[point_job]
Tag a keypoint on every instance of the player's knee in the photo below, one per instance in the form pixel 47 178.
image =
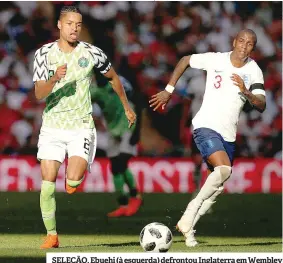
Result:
pixel 119 164
pixel 48 175
pixel 225 172
pixel 74 175
pixel 219 191
pixel 116 167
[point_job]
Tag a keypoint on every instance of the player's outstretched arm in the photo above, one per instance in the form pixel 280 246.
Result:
pixel 44 88
pixel 258 101
pixel 118 87
pixel 162 98
pixel 182 65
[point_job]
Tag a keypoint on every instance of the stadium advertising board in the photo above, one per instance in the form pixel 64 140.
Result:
pixel 153 175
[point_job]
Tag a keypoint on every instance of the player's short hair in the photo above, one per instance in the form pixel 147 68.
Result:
pixel 251 32
pixel 69 8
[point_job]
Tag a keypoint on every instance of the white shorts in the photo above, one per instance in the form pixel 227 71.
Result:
pixel 114 146
pixel 54 144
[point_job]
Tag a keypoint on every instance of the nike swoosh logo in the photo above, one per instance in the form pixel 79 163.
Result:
pixel 218 71
pixel 53 63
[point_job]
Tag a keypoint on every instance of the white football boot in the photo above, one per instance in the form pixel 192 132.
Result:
pixel 185 224
pixel 190 239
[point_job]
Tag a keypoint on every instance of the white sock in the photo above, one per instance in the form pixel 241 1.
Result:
pixel 213 181
pixel 207 204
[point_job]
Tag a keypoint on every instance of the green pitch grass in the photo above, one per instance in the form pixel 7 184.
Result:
pixel 239 223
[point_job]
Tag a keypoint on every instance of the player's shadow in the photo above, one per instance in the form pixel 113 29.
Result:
pixel 235 245
pixel 68 90
pixel 106 245
pixel 125 244
pixel 183 241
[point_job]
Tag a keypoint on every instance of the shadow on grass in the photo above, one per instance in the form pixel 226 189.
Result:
pixel 179 241
pixel 248 244
pixel 106 245
pixel 238 215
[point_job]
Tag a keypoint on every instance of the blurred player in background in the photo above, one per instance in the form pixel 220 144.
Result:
pixel 232 79
pixel 121 142
pixel 62 75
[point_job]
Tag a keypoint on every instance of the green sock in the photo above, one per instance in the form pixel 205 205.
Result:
pixel 73 183
pixel 129 178
pixel 119 183
pixel 48 206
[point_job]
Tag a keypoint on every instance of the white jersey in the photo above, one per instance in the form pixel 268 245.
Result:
pixel 222 101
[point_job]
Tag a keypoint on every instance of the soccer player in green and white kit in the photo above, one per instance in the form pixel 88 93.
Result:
pixel 121 144
pixel 62 75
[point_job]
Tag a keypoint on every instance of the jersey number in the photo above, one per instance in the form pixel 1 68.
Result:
pixel 217 83
pixel 86 145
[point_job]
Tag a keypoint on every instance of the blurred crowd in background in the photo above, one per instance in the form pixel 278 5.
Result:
pixel 144 41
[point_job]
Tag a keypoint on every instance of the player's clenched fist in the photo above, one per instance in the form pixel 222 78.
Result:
pixel 131 116
pixel 61 72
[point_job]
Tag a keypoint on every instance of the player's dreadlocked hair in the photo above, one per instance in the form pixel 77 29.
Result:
pixel 69 8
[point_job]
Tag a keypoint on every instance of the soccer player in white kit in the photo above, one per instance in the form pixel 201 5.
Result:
pixel 62 75
pixel 232 79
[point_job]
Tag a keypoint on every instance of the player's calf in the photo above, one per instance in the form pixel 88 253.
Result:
pixel 213 182
pixel 207 204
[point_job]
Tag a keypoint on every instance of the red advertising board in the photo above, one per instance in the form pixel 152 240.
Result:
pixel 153 175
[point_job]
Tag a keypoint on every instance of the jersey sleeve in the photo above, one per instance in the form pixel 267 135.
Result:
pixel 40 70
pixel 101 61
pixel 203 61
pixel 257 85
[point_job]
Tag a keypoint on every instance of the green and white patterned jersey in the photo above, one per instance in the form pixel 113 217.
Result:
pixel 69 106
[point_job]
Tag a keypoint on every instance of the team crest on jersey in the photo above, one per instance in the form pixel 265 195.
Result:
pixel 83 62
pixel 50 74
pixel 246 79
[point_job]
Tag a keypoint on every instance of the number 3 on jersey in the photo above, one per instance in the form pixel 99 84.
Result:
pixel 217 83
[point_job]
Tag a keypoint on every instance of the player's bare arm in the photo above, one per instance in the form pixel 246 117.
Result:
pixel 44 88
pixel 163 97
pixel 258 101
pixel 182 65
pixel 118 87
